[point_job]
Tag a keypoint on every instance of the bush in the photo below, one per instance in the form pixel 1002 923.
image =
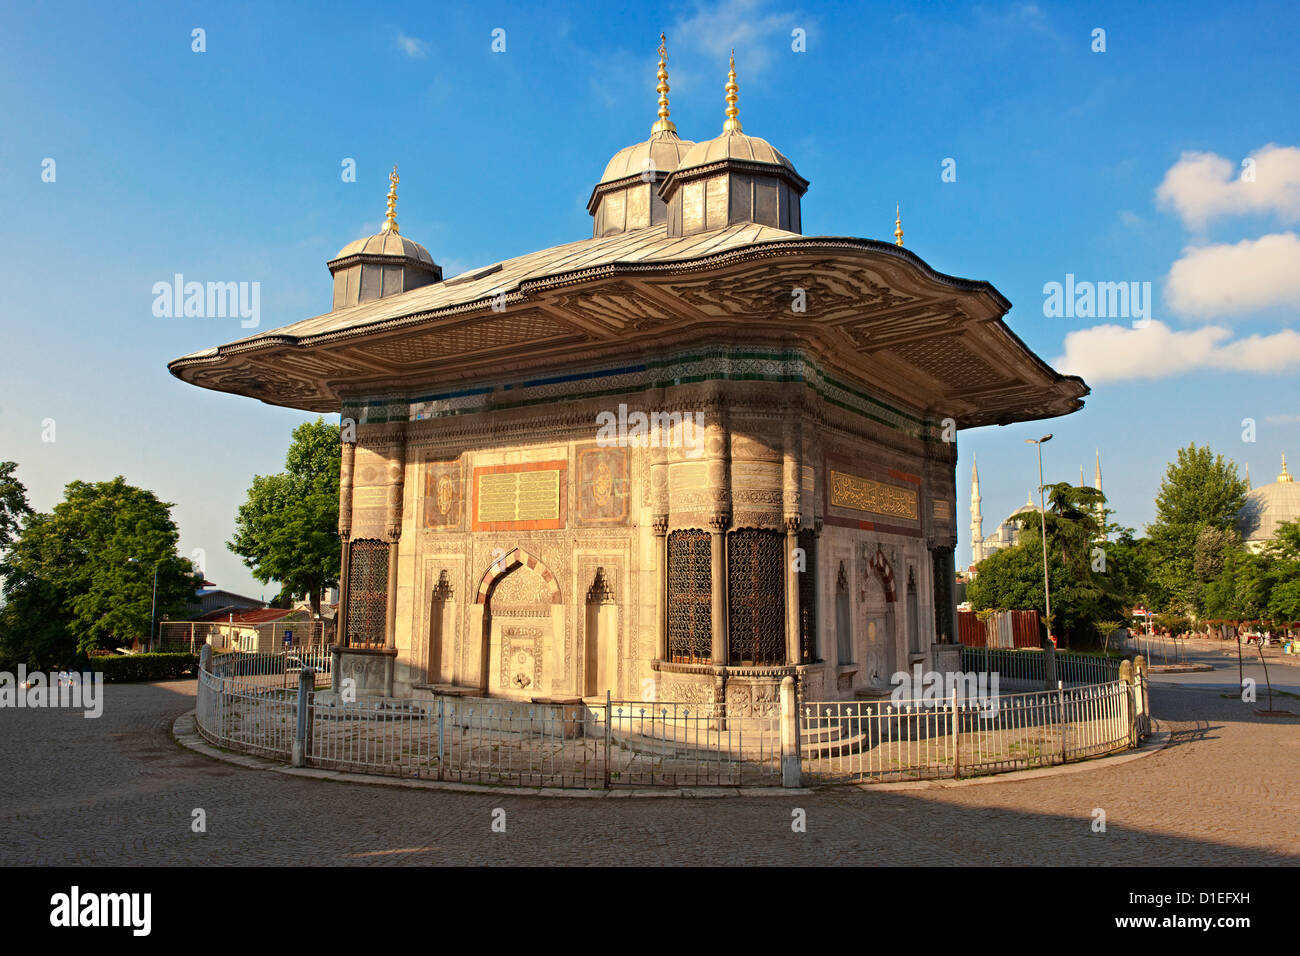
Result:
pixel 118 670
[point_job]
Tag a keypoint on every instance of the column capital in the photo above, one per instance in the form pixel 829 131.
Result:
pixel 660 525
pixel 720 522
pixel 792 523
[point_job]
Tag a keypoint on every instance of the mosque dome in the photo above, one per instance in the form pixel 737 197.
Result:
pixel 733 178
pixel 663 152
pixel 627 196
pixel 733 144
pixel 386 243
pixel 386 263
pixel 1267 507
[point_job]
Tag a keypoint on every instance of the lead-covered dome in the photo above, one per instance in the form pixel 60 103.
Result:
pixel 386 263
pixel 733 178
pixel 1267 507
pixel 627 196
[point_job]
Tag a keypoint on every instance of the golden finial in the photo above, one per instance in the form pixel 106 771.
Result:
pixel 732 125
pixel 898 227
pixel 663 124
pixel 390 220
pixel 1284 476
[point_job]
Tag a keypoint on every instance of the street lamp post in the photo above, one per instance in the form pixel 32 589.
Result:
pixel 1049 652
pixel 153 602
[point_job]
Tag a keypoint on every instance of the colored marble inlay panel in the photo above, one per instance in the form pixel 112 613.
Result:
pixel 520 497
pixel 602 486
pixel 873 497
pixel 442 495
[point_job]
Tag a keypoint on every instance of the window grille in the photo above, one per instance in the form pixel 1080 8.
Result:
pixel 756 591
pixel 690 598
pixel 367 592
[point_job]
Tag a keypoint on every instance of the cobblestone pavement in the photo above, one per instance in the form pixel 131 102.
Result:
pixel 119 790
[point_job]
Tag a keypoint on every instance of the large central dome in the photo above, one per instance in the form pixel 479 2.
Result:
pixel 1267 507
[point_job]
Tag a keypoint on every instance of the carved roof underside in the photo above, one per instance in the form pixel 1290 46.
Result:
pixel 874 311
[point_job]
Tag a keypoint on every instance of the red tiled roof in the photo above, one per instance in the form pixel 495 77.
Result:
pixel 263 615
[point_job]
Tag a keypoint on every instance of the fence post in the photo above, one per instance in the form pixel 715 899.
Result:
pixel 791 770
pixel 441 710
pixel 301 738
pixel 1060 703
pixel 956 735
pixel 608 733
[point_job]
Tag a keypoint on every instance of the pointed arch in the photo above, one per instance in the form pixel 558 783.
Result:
pixel 511 561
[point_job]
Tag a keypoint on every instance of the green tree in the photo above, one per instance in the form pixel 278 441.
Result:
pixel 13 503
pixel 1199 490
pixel 1086 584
pixel 70 584
pixel 287 529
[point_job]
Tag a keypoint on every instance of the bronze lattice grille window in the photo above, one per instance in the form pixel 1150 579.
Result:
pixel 756 592
pixel 367 592
pixel 808 598
pixel 690 598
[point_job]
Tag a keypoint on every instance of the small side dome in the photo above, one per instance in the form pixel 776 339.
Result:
pixel 733 178
pixel 386 263
pixel 386 244
pixel 662 152
pixel 627 196
pixel 735 145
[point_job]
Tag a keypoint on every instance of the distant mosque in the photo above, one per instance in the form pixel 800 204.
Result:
pixel 1267 507
pixel 1007 534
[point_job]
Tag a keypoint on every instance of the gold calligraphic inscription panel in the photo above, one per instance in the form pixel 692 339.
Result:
pixel 873 497
pixel 519 496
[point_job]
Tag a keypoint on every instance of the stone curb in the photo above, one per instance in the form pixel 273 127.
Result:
pixel 185 734
pixel 1179 668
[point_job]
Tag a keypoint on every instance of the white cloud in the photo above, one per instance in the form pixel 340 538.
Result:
pixel 1111 353
pixel 1204 186
pixel 413 47
pixel 742 25
pixel 1230 279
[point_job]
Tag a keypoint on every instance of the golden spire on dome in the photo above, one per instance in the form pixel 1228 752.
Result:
pixel 663 124
pixel 732 125
pixel 1284 477
pixel 898 226
pixel 390 219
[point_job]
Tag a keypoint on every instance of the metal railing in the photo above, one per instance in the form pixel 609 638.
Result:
pixel 677 744
pixel 239 716
pixel 272 670
pixel 242 704
pixel 1027 666
pixel 843 741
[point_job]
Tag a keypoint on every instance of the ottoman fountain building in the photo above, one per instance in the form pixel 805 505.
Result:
pixel 679 460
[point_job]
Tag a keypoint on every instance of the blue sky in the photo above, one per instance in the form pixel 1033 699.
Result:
pixel 1123 165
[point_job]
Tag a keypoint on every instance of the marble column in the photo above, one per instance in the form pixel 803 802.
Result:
pixel 345 533
pixel 791 590
pixel 718 525
pixel 396 489
pixel 661 585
